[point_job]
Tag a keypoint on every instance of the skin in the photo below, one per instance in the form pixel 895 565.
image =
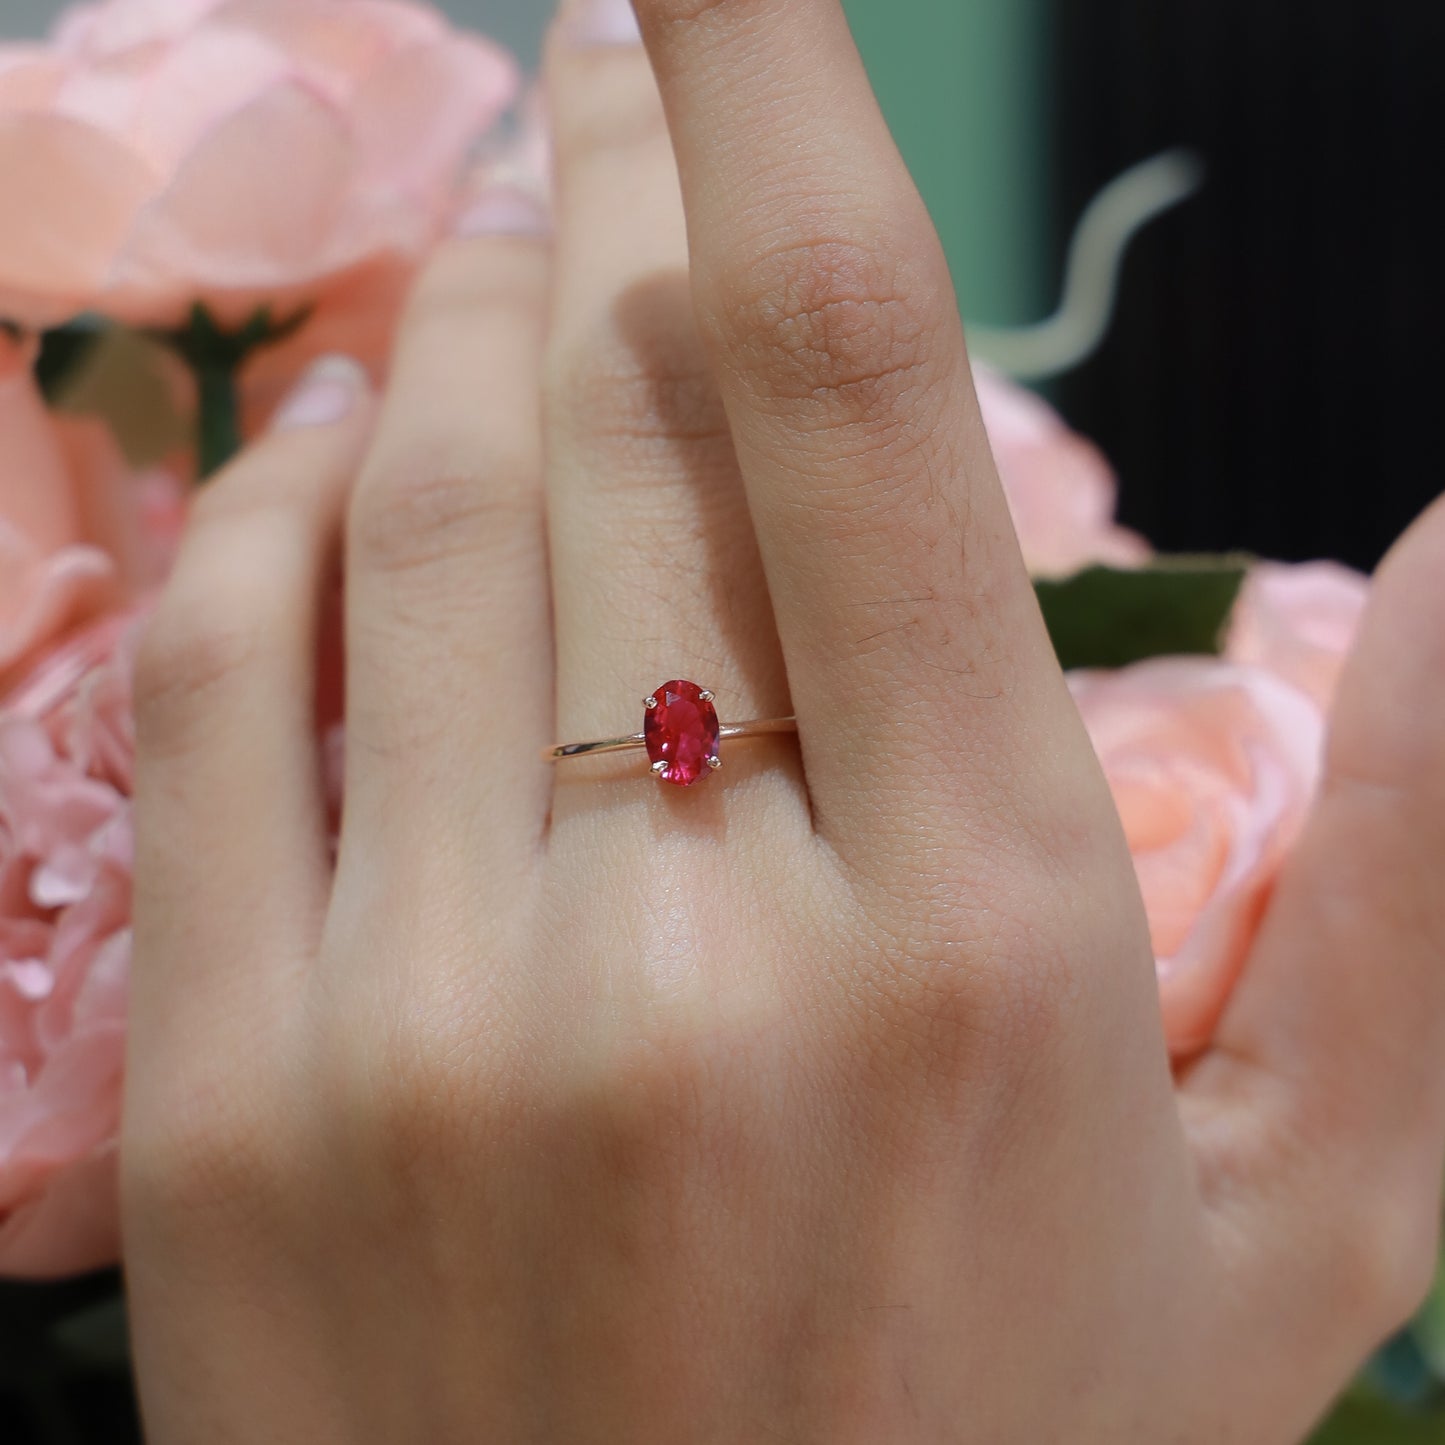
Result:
pixel 826 1101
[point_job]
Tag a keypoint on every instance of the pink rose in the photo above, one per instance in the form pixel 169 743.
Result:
pixel 66 750
pixel 1060 489
pixel 157 153
pixel 359 318
pixel 79 531
pixel 1299 621
pixel 1213 766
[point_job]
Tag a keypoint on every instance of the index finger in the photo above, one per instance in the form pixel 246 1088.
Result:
pixel 917 661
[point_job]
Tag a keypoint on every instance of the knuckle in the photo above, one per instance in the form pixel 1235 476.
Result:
pixel 969 996
pixel 995 979
pixel 438 505
pixel 641 1111
pixel 615 111
pixel 264 492
pixel 995 996
pixel 214 1155
pixel 635 401
pixel 456 287
pixel 415 1101
pixel 189 655
pixel 842 324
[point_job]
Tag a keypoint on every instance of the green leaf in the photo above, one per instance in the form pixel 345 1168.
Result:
pixel 1363 1420
pixel 1402 1373
pixel 1429 1328
pixel 1110 617
pixel 97 1336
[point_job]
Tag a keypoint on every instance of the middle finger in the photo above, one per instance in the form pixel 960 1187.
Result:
pixel 655 567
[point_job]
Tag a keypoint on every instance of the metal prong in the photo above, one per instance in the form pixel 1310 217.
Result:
pixel 714 762
pixel 706 695
pixel 659 767
pixel 649 703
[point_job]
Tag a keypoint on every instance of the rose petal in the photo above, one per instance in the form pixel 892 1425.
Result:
pixel 336 46
pixel 251 214
pixel 92 984
pixel 29 77
pixel 1212 767
pixel 416 116
pixel 48 595
pixel 1299 621
pixel 71 1106
pixel 134 517
pixel 71 195
pixel 1060 489
pixel 117 25
pixel 38 510
pixel 207 75
pixel 70 1225
pixel 29 977
pixel 104 94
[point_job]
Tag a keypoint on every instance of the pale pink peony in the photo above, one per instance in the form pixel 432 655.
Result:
pixel 66 751
pixel 1060 489
pixel 157 153
pixel 1299 621
pixel 80 532
pixel 1213 766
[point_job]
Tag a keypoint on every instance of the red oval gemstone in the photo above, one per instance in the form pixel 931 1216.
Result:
pixel 681 732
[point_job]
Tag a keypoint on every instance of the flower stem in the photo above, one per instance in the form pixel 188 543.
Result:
pixel 214 356
pixel 218 415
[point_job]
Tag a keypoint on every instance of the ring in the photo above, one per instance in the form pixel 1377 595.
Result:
pixel 681 732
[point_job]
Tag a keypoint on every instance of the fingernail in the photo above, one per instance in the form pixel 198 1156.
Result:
pixel 329 389
pixel 508 191
pixel 504 207
pixel 600 22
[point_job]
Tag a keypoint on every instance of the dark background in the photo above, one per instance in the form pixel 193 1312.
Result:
pixel 1271 379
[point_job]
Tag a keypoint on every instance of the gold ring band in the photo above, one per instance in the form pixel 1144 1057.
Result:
pixel 756 728
pixel 681 733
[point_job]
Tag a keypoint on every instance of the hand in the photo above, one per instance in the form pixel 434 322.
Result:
pixel 826 1101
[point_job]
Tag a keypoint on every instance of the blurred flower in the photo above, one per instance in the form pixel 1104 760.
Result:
pixel 1299 621
pixel 237 153
pixel 66 749
pixel 1213 766
pixel 80 532
pixel 359 317
pixel 1060 489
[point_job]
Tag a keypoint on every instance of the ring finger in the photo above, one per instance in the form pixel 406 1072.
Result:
pixel 655 567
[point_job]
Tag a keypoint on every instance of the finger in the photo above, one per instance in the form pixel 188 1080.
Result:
pixel 917 660
pixel 1321 1108
pixel 449 669
pixel 230 808
pixel 656 571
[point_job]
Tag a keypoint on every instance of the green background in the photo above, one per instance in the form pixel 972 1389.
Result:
pixel 964 86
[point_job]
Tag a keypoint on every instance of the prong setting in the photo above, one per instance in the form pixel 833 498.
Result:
pixel 707 695
pixel 714 762
pixel 649 703
pixel 680 730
